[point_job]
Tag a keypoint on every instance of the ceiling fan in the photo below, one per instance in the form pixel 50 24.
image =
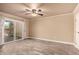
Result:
pixel 34 12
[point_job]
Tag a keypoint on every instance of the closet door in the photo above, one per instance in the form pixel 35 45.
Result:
pixel 8 31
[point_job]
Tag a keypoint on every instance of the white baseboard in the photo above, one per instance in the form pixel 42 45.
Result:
pixel 53 40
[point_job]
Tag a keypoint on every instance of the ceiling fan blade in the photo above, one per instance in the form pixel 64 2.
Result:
pixel 41 14
pixel 27 10
pixel 23 12
pixel 27 13
pixel 39 10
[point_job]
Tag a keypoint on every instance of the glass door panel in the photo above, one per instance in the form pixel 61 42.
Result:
pixel 8 31
pixel 18 31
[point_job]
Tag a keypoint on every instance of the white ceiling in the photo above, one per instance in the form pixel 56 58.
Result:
pixel 49 9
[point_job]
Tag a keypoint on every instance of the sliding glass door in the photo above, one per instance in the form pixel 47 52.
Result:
pixel 12 30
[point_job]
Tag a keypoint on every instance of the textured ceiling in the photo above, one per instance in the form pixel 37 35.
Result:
pixel 49 9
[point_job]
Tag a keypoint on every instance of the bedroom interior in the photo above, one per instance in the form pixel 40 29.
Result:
pixel 39 29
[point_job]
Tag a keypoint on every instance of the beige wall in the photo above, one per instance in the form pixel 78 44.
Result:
pixel 59 28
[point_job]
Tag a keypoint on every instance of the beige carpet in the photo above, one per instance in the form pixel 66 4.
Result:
pixel 37 47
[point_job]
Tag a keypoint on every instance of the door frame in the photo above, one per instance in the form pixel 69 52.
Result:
pixel 76 40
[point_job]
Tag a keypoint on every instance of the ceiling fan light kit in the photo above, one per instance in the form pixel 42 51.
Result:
pixel 33 14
